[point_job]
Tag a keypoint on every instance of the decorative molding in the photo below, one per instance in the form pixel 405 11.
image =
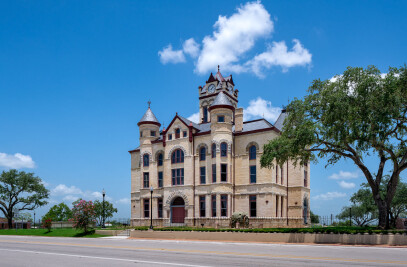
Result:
pixel 175 148
pixel 157 153
pixel 150 156
pixel 176 194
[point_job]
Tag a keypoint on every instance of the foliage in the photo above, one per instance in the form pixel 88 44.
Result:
pixel 23 216
pixel 109 210
pixel 20 191
pixel 60 212
pixel 314 217
pixel 359 114
pixel 398 206
pixel 47 223
pixel 83 214
pixel 241 218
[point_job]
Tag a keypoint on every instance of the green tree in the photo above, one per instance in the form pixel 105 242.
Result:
pixel 363 209
pixel 360 114
pixel 314 217
pixel 109 210
pixel 60 212
pixel 23 216
pixel 20 191
pixel 399 204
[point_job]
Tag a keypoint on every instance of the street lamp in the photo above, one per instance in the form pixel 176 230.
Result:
pixel 103 204
pixel 151 208
pixel 34 219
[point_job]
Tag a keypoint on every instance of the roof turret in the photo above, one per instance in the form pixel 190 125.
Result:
pixel 149 117
pixel 222 101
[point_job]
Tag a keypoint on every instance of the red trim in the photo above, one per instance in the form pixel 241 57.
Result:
pixel 149 122
pixel 202 133
pixel 222 106
pixel 156 141
pixel 176 116
pixel 134 150
pixel 164 137
pixel 203 97
pixel 190 133
pixel 258 131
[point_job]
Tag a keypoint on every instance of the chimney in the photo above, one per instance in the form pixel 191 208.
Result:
pixel 238 119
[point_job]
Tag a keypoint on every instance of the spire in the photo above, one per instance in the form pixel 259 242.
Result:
pixel 221 101
pixel 149 117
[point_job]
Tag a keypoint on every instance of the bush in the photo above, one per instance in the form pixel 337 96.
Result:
pixel 47 223
pixel 83 214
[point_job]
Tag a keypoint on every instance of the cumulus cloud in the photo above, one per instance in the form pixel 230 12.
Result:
pixel 346 185
pixel 233 38
pixel 191 47
pixel 259 108
pixel 16 161
pixel 194 117
pixel 278 54
pixel 62 189
pixel 344 175
pixel 329 196
pixel 168 55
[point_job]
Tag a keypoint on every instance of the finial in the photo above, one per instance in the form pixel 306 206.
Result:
pixel 218 68
pixel 149 102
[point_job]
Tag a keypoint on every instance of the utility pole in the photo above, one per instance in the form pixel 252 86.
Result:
pixel 103 204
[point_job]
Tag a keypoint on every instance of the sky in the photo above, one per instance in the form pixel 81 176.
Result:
pixel 75 78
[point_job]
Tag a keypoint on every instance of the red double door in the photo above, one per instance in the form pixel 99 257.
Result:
pixel 178 214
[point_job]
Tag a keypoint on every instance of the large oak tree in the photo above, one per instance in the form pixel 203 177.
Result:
pixel 20 191
pixel 359 114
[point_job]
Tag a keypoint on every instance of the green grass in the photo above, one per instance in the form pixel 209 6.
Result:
pixel 327 230
pixel 64 232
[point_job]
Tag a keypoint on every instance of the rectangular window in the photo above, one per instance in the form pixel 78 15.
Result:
pixel 152 133
pixel 276 174
pixel 177 133
pixel 146 208
pixel 160 207
pixel 221 118
pixel 184 133
pixel 170 137
pixel 282 174
pixel 223 172
pixel 253 206
pixel 305 178
pixel 213 203
pixel 281 208
pixel 213 173
pixel 205 114
pixel 160 179
pixel 146 180
pixel 253 174
pixel 276 206
pixel 224 205
pixel 177 176
pixel 203 175
pixel 141 133
pixel 202 206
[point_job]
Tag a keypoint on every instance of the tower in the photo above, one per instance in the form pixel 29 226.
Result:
pixel 149 127
pixel 213 86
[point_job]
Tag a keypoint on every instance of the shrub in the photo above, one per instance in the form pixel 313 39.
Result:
pixel 47 223
pixel 83 214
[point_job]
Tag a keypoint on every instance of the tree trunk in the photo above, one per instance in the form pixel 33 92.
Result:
pixel 383 214
pixel 10 222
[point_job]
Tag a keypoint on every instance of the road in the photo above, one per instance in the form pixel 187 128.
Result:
pixel 61 251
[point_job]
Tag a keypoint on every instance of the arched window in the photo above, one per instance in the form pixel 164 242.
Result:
pixel 252 152
pixel 305 211
pixel 146 160
pixel 223 149
pixel 177 156
pixel 202 153
pixel 160 159
pixel 213 150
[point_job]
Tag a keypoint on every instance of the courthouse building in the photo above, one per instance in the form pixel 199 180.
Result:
pixel 201 173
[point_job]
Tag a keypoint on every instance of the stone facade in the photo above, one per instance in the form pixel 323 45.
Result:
pixel 200 174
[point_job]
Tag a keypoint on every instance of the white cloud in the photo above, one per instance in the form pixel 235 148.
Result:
pixel 191 47
pixel 70 198
pixel 62 189
pixel 259 108
pixel 167 55
pixel 346 185
pixel 344 175
pixel 233 37
pixel 194 117
pixel 278 54
pixel 16 161
pixel 123 201
pixel 329 196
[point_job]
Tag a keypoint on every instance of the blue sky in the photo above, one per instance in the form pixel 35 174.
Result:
pixel 75 77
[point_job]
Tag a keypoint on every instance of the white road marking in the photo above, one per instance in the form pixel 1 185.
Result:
pixel 101 258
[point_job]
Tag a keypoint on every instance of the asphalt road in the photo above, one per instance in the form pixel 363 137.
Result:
pixel 60 251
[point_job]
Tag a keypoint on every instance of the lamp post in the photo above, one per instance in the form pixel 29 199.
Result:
pixel 34 219
pixel 151 208
pixel 103 205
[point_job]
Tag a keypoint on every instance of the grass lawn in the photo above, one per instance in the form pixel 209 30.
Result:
pixel 65 232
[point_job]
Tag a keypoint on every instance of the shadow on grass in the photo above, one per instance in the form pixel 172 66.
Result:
pixel 83 234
